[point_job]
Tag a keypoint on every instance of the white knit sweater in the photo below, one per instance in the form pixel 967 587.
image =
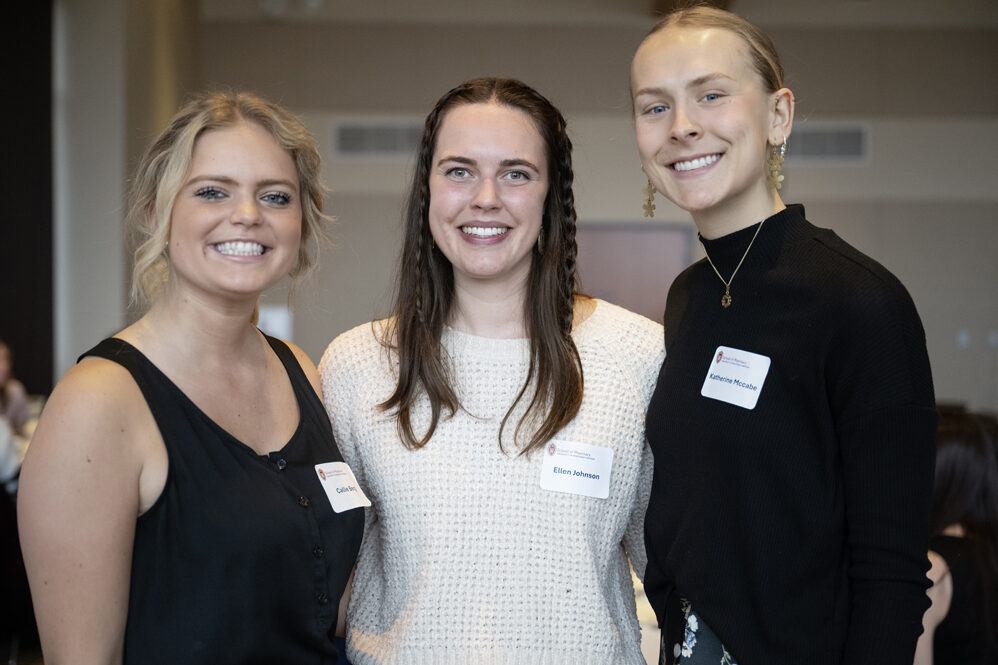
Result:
pixel 466 560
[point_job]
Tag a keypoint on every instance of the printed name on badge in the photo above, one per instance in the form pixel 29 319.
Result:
pixel 341 486
pixel 577 468
pixel 736 377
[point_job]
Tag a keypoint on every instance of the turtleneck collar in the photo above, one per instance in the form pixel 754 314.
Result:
pixel 725 252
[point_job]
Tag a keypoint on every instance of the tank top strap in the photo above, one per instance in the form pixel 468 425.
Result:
pixel 159 392
pixel 310 403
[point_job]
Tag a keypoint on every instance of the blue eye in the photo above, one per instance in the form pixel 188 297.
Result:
pixel 518 175
pixel 277 198
pixel 209 193
pixel 458 172
pixel 711 97
pixel 658 108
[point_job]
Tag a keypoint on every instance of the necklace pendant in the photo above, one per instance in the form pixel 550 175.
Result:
pixel 726 298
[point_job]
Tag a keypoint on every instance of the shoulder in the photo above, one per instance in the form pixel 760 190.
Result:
pixel 95 419
pixel 623 332
pixel 353 359
pixel 355 347
pixel 627 342
pixel 306 364
pixel 857 280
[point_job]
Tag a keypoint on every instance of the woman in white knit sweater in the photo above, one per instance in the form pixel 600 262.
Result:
pixel 507 499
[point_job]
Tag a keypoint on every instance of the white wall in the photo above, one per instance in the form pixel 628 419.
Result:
pixel 89 100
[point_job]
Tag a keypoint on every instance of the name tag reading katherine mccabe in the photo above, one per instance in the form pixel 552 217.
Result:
pixel 736 377
pixel 341 486
pixel 577 468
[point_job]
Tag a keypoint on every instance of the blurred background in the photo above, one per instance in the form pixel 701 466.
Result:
pixel 895 147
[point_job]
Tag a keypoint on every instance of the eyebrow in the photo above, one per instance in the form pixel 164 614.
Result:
pixel 503 163
pixel 232 181
pixel 695 83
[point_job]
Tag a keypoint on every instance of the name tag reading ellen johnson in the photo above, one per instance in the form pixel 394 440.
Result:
pixel 577 468
pixel 735 376
pixel 341 486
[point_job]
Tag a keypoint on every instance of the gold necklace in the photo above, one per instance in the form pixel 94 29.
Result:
pixel 726 298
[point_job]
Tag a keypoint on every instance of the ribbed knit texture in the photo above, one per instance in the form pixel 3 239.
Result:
pixel 465 558
pixel 797 530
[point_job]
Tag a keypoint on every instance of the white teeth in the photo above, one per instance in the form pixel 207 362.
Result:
pixel 484 231
pixel 697 163
pixel 239 248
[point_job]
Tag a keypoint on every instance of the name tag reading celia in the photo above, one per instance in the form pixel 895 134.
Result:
pixel 577 468
pixel 736 377
pixel 341 486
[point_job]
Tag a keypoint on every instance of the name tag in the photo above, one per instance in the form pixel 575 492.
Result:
pixel 341 487
pixel 577 468
pixel 736 377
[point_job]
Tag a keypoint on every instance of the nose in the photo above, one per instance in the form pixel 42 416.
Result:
pixel 486 197
pixel 684 125
pixel 246 212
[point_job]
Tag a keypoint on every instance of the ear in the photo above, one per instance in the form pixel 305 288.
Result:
pixel 781 116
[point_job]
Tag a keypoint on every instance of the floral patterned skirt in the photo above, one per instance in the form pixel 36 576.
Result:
pixel 700 645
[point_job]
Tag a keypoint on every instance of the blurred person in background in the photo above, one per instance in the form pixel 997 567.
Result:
pixel 14 407
pixel 961 625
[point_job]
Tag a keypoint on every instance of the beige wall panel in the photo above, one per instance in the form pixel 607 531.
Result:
pixel 904 73
pixel 354 281
pixel 891 72
pixel 921 159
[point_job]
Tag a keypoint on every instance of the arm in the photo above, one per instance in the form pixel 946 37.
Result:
pixel 634 537
pixel 80 493
pixel 881 399
pixel 341 616
pixel 940 595
pixel 307 366
pixel 647 352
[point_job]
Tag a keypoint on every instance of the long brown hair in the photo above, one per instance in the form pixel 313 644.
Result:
pixel 424 291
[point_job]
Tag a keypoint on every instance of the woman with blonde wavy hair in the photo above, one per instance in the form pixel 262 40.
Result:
pixel 173 504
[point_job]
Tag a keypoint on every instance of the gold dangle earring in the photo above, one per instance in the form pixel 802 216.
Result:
pixel 540 240
pixel 649 205
pixel 775 163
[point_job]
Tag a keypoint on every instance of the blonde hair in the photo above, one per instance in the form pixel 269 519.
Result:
pixel 761 49
pixel 161 171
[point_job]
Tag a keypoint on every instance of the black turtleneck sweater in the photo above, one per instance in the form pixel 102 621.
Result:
pixel 797 529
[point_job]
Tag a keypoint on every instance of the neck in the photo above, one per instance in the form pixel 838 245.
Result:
pixel 185 326
pixel 489 310
pixel 726 218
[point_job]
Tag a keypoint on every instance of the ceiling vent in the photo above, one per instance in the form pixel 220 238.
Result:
pixel 377 138
pixel 833 143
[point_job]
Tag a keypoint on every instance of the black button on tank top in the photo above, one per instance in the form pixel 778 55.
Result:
pixel 241 559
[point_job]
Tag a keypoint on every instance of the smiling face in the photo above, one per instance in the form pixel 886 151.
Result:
pixel 704 122
pixel 488 184
pixel 235 228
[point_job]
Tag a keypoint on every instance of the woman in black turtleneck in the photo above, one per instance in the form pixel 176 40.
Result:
pixel 793 421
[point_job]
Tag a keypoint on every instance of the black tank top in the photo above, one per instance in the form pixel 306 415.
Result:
pixel 241 559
